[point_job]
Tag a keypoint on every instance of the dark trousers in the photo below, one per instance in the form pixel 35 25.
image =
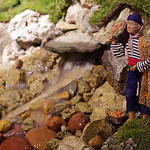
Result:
pixel 134 77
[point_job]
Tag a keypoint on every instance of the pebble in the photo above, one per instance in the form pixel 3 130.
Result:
pixel 96 141
pixel 38 137
pixel 4 125
pixel 55 123
pixel 77 122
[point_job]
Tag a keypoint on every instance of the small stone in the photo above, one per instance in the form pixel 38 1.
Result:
pixel 55 123
pixel 4 125
pixel 26 114
pixel 83 107
pixel 48 105
pixel 77 122
pixel 52 144
pixel 62 95
pixel 28 123
pixel 96 141
pixel 39 137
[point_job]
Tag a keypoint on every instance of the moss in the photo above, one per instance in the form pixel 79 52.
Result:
pixel 106 7
pixel 55 8
pixel 138 130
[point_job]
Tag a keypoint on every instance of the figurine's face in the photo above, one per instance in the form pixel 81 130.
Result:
pixel 133 27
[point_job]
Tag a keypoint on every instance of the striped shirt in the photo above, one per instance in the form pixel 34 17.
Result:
pixel 119 51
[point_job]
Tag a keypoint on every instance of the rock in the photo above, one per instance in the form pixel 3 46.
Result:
pixel 87 75
pixel 96 127
pixel 39 137
pixel 52 144
pixel 36 76
pixel 48 105
pixel 39 117
pixel 83 107
pixel 15 143
pixel 96 141
pixel 73 143
pixel 102 35
pixel 28 123
pixel 105 98
pixel 83 87
pixel 36 87
pixel 55 123
pixel 11 53
pixel 29 27
pixel 13 77
pixel 76 99
pixel 65 26
pixel 77 122
pixel 62 106
pixel 72 88
pixel 26 115
pixel 84 24
pixel 75 13
pixel 16 130
pixel 67 113
pixel 115 65
pixel 5 38
pixel 62 95
pixel 73 41
pixel 4 125
pixel 87 96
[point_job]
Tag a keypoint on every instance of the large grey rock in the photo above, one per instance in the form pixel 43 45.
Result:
pixel 73 41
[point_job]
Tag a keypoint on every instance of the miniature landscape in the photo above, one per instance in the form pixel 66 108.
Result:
pixel 61 88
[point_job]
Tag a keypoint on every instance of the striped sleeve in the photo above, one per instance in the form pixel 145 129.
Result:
pixel 118 49
pixel 143 65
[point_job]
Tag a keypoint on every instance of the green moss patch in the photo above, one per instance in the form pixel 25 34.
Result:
pixel 138 130
pixel 107 6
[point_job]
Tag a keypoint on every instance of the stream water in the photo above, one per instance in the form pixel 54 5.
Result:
pixel 68 73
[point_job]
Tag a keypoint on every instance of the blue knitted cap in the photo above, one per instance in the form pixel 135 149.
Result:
pixel 136 18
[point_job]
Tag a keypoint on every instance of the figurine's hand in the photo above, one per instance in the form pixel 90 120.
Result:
pixel 133 68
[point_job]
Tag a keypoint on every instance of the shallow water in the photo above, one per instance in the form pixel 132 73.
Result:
pixel 68 73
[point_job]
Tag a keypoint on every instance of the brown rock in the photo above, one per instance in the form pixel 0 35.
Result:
pixel 15 143
pixel 55 123
pixel 96 141
pixel 77 122
pixel 16 130
pixel 38 137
